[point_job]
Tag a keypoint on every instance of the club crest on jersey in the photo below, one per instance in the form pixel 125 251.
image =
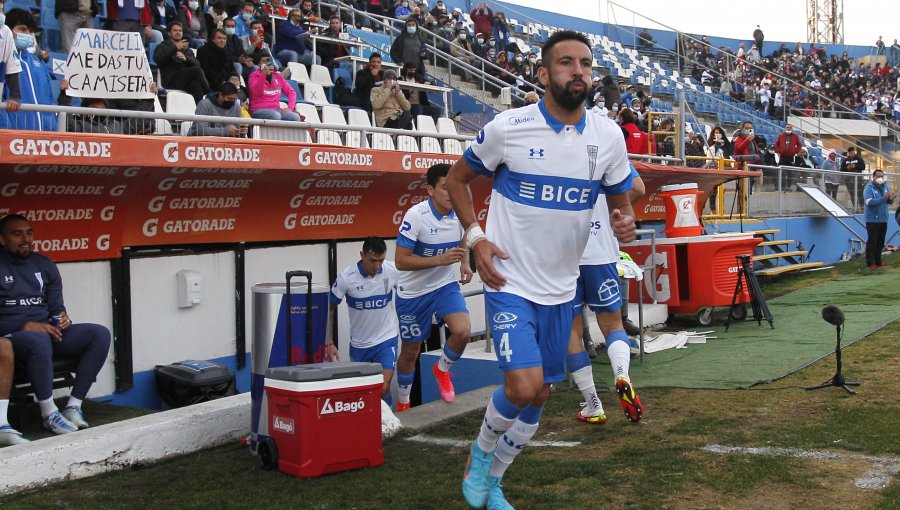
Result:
pixel 609 292
pixel 592 151
pixel 537 153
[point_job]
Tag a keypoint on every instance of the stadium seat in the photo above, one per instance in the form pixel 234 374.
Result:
pixel 431 144
pixel 358 118
pixel 407 143
pixel 308 112
pixel 331 115
pixel 298 72
pixel 183 103
pixel 163 127
pixel 319 74
pixel 315 94
pixel 426 124
pixel 28 5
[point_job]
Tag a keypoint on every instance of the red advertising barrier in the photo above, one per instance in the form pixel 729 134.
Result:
pixel 89 195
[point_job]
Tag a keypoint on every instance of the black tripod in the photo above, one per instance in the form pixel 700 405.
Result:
pixel 835 316
pixel 757 300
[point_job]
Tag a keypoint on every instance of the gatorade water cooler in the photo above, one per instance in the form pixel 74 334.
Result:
pixel 682 210
pixel 323 418
pixel 270 347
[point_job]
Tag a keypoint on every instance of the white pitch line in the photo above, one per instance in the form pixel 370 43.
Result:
pixel 441 441
pixel 883 469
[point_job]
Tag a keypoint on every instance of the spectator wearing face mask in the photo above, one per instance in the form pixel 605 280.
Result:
pixel 439 10
pixel 243 19
pixel 832 180
pixel 878 196
pixel 787 147
pixel 235 48
pixel 390 106
pixel 418 100
pixel 854 163
pixel 460 49
pixel 719 146
pixel 402 9
pixel 695 148
pixel 193 22
pixel 600 105
pixel 480 47
pixel 408 44
pixel 483 19
pixel 35 80
pixel 222 103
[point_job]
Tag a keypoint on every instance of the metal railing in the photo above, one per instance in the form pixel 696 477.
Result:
pixel 387 25
pixel 176 118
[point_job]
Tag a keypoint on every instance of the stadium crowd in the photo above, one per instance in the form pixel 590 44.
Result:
pixel 818 83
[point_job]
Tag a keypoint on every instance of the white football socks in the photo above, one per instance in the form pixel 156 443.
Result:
pixel 512 443
pixel 584 381
pixel 620 356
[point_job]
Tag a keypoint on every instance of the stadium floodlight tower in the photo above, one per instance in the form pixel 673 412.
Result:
pixel 825 21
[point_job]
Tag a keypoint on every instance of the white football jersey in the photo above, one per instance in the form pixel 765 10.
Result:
pixel 427 234
pixel 370 302
pixel 547 179
pixel 602 246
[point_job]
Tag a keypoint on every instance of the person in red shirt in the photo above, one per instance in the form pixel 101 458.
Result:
pixel 787 146
pixel 746 149
pixel 636 141
pixel 483 19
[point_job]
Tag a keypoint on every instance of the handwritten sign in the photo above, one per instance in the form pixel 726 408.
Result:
pixel 108 64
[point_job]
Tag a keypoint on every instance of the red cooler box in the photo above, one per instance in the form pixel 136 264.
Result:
pixel 324 417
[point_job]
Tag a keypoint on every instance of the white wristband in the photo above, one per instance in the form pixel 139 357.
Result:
pixel 474 235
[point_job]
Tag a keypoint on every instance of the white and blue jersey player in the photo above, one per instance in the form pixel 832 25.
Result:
pixel 549 163
pixel 369 287
pixel 428 248
pixel 599 288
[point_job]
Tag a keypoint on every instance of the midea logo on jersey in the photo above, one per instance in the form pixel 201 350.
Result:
pixel 407 318
pixel 535 153
pixel 515 121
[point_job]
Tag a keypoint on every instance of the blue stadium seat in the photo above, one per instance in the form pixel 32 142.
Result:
pixel 28 5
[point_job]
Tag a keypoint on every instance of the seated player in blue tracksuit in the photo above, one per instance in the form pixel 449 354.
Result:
pixel 35 82
pixel 33 316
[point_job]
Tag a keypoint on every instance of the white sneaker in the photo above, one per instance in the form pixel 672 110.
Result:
pixel 10 436
pixel 74 415
pixel 57 424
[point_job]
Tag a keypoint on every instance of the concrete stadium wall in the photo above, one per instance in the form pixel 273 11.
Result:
pixel 162 333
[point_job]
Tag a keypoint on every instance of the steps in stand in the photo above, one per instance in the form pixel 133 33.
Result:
pixel 773 257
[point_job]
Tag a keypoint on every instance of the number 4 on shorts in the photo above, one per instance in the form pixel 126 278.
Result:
pixel 505 351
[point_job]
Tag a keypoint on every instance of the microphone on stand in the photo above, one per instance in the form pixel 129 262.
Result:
pixel 833 315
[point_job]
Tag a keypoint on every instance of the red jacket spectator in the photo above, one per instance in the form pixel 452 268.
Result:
pixel 788 144
pixel 483 19
pixel 637 140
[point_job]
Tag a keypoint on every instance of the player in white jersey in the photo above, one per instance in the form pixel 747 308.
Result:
pixel 369 287
pixel 428 246
pixel 599 288
pixel 549 163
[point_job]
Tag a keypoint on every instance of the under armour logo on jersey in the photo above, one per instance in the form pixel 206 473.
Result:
pixel 433 231
pixel 9 279
pixel 535 153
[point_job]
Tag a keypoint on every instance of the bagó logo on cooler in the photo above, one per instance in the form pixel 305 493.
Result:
pixel 342 407
pixel 285 425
